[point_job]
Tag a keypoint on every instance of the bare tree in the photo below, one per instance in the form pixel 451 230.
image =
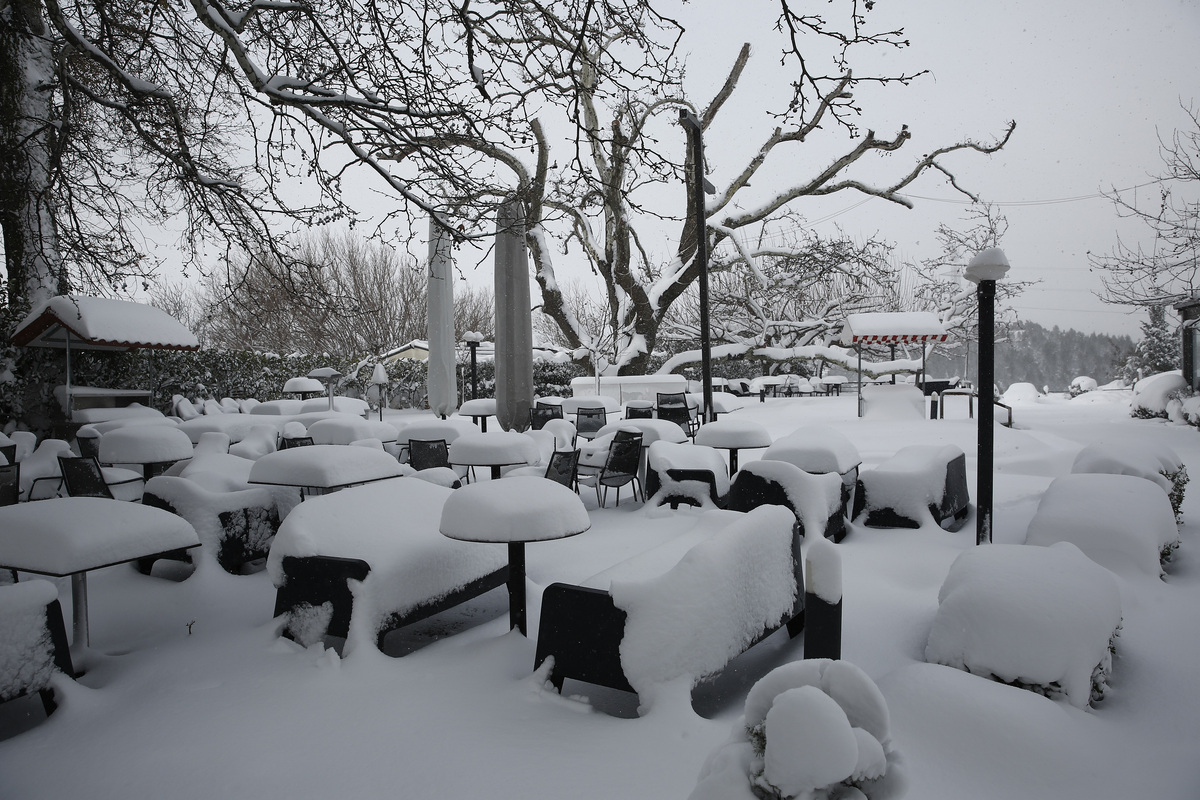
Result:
pixel 1167 270
pixel 593 189
pixel 345 296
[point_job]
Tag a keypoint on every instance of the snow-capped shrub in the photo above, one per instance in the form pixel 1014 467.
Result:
pixel 1040 618
pixel 812 729
pixel 1020 392
pixel 1121 522
pixel 1081 385
pixel 1159 465
pixel 1151 395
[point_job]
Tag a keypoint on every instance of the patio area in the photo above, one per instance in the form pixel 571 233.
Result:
pixel 191 693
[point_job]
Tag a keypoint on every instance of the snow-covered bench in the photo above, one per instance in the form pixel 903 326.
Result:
pixel 686 607
pixel 33 641
pixel 816 500
pixel 919 482
pixel 369 559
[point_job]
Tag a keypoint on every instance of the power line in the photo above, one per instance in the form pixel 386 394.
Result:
pixel 1049 202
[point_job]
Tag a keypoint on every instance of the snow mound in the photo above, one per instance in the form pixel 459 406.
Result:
pixel 885 401
pixel 1041 618
pixel 1020 393
pixel 1121 522
pixel 26 652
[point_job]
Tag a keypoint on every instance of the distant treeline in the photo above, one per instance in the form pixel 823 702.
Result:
pixel 1041 356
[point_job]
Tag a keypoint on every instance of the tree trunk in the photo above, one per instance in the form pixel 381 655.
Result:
pixel 26 152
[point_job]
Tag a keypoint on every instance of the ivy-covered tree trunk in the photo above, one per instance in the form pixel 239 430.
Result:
pixel 27 152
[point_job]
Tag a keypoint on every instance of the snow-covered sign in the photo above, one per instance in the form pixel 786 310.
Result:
pixel 101 323
pixel 893 328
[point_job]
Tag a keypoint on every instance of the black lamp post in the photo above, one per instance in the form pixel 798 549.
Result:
pixel 699 186
pixel 473 339
pixel 987 267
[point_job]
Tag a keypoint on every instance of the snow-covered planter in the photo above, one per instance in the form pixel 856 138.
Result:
pixel 1040 618
pixel 1160 465
pixel 1081 385
pixel 1153 395
pixel 1121 522
pixel 814 729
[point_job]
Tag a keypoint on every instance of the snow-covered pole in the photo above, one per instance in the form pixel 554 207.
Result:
pixel 699 186
pixel 822 599
pixel 987 267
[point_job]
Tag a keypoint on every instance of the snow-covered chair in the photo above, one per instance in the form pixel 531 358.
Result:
pixel 258 441
pixel 33 641
pixel 919 483
pixel 689 474
pixel 184 408
pixel 686 607
pixel 235 527
pixel 816 500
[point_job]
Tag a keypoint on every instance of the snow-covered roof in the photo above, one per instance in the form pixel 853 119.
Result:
pixel 102 323
pixel 890 328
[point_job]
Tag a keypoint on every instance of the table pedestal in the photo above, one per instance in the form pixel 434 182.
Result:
pixel 516 587
pixel 79 610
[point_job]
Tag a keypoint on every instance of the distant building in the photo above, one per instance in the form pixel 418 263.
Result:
pixel 1189 316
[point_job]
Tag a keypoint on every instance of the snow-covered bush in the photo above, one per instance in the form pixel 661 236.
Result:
pixel 1020 393
pixel 1152 395
pixel 812 729
pixel 1082 384
pixel 1040 618
pixel 1160 465
pixel 1121 522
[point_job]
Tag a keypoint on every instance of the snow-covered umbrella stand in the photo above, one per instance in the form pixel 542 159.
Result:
pixel 514 326
pixel 440 383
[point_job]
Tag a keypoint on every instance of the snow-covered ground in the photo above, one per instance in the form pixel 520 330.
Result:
pixel 189 693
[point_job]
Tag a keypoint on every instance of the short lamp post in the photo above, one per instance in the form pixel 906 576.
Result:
pixel 327 376
pixel 473 338
pixel 379 379
pixel 987 267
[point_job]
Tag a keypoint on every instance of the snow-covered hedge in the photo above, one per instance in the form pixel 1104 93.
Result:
pixel 811 729
pixel 1160 465
pixel 1041 618
pixel 1121 522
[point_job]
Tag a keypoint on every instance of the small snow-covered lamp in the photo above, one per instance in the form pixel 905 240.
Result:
pixel 379 379
pixel 987 267
pixel 473 338
pixel 327 376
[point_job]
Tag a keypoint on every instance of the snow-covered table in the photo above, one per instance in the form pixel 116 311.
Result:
pixel 151 447
pixel 495 450
pixel 321 468
pixel 479 409
pixel 733 435
pixel 519 509
pixel 73 535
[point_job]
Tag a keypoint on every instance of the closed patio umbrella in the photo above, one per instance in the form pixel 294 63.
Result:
pixel 514 327
pixel 440 383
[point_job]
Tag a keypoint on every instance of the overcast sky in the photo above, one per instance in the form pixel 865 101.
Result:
pixel 1090 83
